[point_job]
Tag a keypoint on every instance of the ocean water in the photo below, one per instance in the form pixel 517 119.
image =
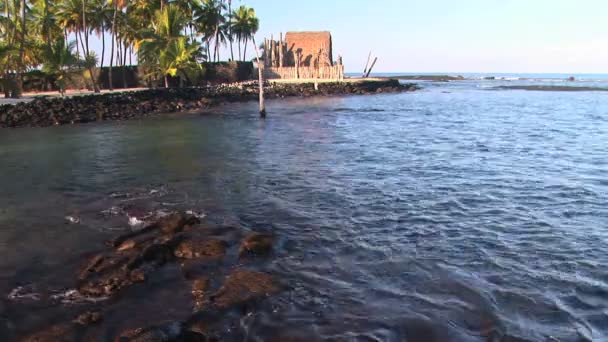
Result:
pixel 455 213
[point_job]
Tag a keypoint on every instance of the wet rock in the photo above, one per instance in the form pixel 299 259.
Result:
pixel 126 245
pixel 199 292
pixel 256 244
pixel 195 248
pixel 168 225
pixel 57 333
pixel 101 263
pixel 242 286
pixel 159 333
pixel 88 318
pixel 174 223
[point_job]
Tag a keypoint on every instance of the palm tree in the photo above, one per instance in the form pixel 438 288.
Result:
pixel 179 57
pixel 117 5
pixel 211 23
pixel 98 20
pixel 21 68
pixel 73 17
pixel 229 31
pixel 60 61
pixel 164 49
pixel 43 22
pixel 244 25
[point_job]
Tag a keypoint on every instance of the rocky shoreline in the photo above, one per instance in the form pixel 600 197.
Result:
pixel 42 112
pixel 218 264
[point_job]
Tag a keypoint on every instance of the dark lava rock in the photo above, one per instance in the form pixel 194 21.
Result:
pixel 199 291
pixel 126 245
pixel 57 333
pixel 195 248
pixel 144 103
pixel 242 286
pixel 88 318
pixel 256 244
pixel 168 225
pixel 159 333
pixel 174 223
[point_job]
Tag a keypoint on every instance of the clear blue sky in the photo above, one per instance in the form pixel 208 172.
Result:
pixel 566 36
pixel 569 36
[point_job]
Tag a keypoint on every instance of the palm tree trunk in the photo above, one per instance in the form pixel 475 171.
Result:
pixel 239 45
pixel 111 86
pixel 124 66
pixel 19 90
pixel 217 43
pixel 91 67
pixel 103 52
pixel 166 81
pixel 245 51
pixel 229 27
pixel 46 14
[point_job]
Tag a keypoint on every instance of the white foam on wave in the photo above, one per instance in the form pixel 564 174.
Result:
pixel 135 222
pixel 112 211
pixel 23 293
pixel 72 219
pixel 72 296
pixel 197 214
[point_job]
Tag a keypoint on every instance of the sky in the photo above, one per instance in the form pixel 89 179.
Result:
pixel 480 36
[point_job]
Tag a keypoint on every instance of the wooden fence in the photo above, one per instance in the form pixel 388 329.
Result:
pixel 335 72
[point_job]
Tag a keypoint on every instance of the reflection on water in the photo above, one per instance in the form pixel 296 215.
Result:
pixel 452 213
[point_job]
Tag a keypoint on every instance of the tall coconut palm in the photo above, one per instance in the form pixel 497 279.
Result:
pixel 211 23
pixel 73 16
pixel 99 19
pixel 244 25
pixel 22 39
pixel 117 5
pixel 229 31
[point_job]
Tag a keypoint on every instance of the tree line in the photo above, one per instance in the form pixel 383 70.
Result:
pixel 169 37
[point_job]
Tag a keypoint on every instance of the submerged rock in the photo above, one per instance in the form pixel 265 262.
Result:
pixel 65 332
pixel 196 248
pixel 178 240
pixel 256 244
pixel 199 292
pixel 242 286
pixel 88 318
pixel 159 333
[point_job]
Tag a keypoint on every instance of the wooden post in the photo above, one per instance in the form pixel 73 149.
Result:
pixel 281 50
pixel 260 80
pixel 369 57
pixel 371 67
pixel 298 56
pixel 265 55
pixel 271 54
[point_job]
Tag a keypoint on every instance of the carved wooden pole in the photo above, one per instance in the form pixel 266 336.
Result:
pixel 281 50
pixel 260 79
pixel 271 49
pixel 298 57
pixel 265 55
